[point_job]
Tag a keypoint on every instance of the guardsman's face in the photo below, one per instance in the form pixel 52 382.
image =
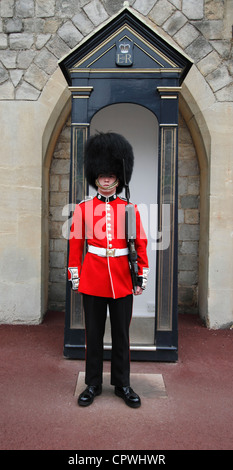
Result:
pixel 106 180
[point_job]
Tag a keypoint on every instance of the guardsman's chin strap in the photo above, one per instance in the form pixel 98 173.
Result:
pixel 113 185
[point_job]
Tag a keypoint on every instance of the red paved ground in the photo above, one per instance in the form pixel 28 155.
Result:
pixel 39 411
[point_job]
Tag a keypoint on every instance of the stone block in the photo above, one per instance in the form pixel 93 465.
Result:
pixel 16 76
pixel 7 91
pixel 8 59
pixel 3 74
pixel 64 183
pixel 7 8
pixel 51 25
pixel 225 94
pixel 186 35
pixel 209 63
pixel 60 167
pixel 210 29
pixel 56 214
pixel 188 167
pixel 20 41
pixel 57 259
pixel 45 8
pixel 41 40
pixel 189 248
pixel 58 199
pixel 161 12
pixel 25 58
pixel 69 33
pixel 3 41
pixel 193 9
pixel 219 78
pixel 55 230
pixel 193 185
pixel 189 232
pixel 60 245
pixel 223 47
pixel 214 10
pixel 57 275
pixel 27 92
pixel 186 295
pixel 187 278
pixel 191 216
pixel 174 23
pixel 33 25
pixel 54 182
pixel 46 61
pixel 198 49
pixel 96 12
pixel 36 77
pixel 57 292
pixel 182 186
pixel 189 202
pixel 180 216
pixel 24 8
pixel 13 25
pixel 144 7
pixel 187 262
pixel 58 47
pixel 82 23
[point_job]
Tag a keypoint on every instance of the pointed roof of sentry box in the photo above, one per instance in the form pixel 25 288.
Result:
pixel 152 53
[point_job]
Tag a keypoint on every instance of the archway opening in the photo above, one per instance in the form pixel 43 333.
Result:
pixel 140 127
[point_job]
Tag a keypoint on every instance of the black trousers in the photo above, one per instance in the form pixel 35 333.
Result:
pixel 120 311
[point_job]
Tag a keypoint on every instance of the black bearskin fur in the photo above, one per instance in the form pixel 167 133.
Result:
pixel 104 154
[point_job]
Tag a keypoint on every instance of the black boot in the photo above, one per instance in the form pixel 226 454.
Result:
pixel 87 396
pixel 129 396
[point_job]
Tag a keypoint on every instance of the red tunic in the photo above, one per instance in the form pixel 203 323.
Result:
pixel 102 224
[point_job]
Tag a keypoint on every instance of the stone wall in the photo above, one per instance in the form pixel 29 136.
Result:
pixel 34 34
pixel 189 185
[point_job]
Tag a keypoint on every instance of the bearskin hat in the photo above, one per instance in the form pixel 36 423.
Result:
pixel 104 154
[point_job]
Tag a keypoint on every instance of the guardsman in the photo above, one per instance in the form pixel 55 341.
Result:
pixel 104 277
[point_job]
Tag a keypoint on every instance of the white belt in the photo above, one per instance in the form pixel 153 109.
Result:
pixel 95 250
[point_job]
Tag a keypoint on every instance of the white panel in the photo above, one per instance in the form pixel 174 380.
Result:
pixel 140 127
